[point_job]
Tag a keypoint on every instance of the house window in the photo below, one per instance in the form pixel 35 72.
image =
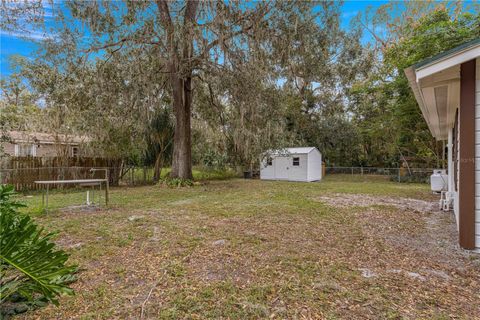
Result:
pixel 296 161
pixel 269 161
pixel 25 150
pixel 74 151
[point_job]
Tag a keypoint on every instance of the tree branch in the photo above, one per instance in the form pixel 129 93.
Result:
pixel 107 45
pixel 165 18
pixel 244 30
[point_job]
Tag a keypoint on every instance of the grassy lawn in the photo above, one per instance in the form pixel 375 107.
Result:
pixel 238 249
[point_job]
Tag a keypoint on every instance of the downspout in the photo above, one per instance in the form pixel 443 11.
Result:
pixel 451 186
pixel 451 194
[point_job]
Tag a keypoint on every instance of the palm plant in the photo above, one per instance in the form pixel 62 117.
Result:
pixel 30 265
pixel 159 140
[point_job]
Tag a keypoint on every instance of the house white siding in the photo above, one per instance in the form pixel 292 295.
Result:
pixel 477 155
pixel 447 72
pixel 314 166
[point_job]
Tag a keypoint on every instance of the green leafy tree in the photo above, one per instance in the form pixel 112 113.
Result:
pixel 384 108
pixel 436 32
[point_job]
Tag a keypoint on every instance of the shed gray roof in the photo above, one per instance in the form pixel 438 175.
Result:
pixel 298 150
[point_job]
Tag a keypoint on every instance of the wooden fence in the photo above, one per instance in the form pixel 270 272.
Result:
pixel 23 171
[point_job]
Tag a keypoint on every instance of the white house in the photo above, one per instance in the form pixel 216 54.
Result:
pixel 292 164
pixel 447 89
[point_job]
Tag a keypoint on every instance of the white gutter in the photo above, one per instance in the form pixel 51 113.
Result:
pixel 449 61
pixel 411 76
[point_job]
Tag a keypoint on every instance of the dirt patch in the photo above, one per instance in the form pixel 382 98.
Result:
pixel 432 233
pixel 343 200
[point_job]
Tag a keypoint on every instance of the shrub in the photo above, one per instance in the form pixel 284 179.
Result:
pixel 214 174
pixel 177 182
pixel 410 179
pixel 214 160
pixel 31 268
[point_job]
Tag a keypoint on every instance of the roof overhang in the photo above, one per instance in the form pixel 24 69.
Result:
pixel 436 86
pixel 43 142
pixel 45 138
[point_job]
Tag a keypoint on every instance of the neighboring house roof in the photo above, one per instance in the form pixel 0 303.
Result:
pixel 436 85
pixel 45 138
pixel 300 150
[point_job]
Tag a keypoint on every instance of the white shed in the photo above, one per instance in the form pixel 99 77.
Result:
pixel 292 164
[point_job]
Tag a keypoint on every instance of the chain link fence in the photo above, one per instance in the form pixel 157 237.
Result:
pixel 24 178
pixel 395 174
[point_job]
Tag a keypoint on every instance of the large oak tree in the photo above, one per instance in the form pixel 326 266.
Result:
pixel 188 38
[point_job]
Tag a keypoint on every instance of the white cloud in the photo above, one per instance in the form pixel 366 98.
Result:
pixel 30 35
pixel 49 9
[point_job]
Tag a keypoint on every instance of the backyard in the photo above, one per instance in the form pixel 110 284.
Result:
pixel 346 247
pixel 194 118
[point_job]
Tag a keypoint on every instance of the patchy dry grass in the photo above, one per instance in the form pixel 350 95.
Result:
pixel 242 249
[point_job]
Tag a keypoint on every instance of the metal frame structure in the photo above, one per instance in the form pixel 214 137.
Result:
pixel 81 182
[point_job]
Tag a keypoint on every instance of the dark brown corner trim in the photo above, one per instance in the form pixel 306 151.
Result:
pixel 466 196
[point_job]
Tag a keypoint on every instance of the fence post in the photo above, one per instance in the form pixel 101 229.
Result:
pixel 352 171
pixel 399 180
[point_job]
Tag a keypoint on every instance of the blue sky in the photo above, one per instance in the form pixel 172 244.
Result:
pixel 15 44
pixel 351 8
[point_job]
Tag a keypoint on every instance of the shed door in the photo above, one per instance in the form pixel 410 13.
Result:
pixel 282 167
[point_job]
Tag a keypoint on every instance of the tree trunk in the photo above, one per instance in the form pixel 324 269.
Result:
pixel 182 140
pixel 181 82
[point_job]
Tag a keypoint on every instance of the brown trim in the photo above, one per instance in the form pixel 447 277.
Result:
pixel 455 153
pixel 466 195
